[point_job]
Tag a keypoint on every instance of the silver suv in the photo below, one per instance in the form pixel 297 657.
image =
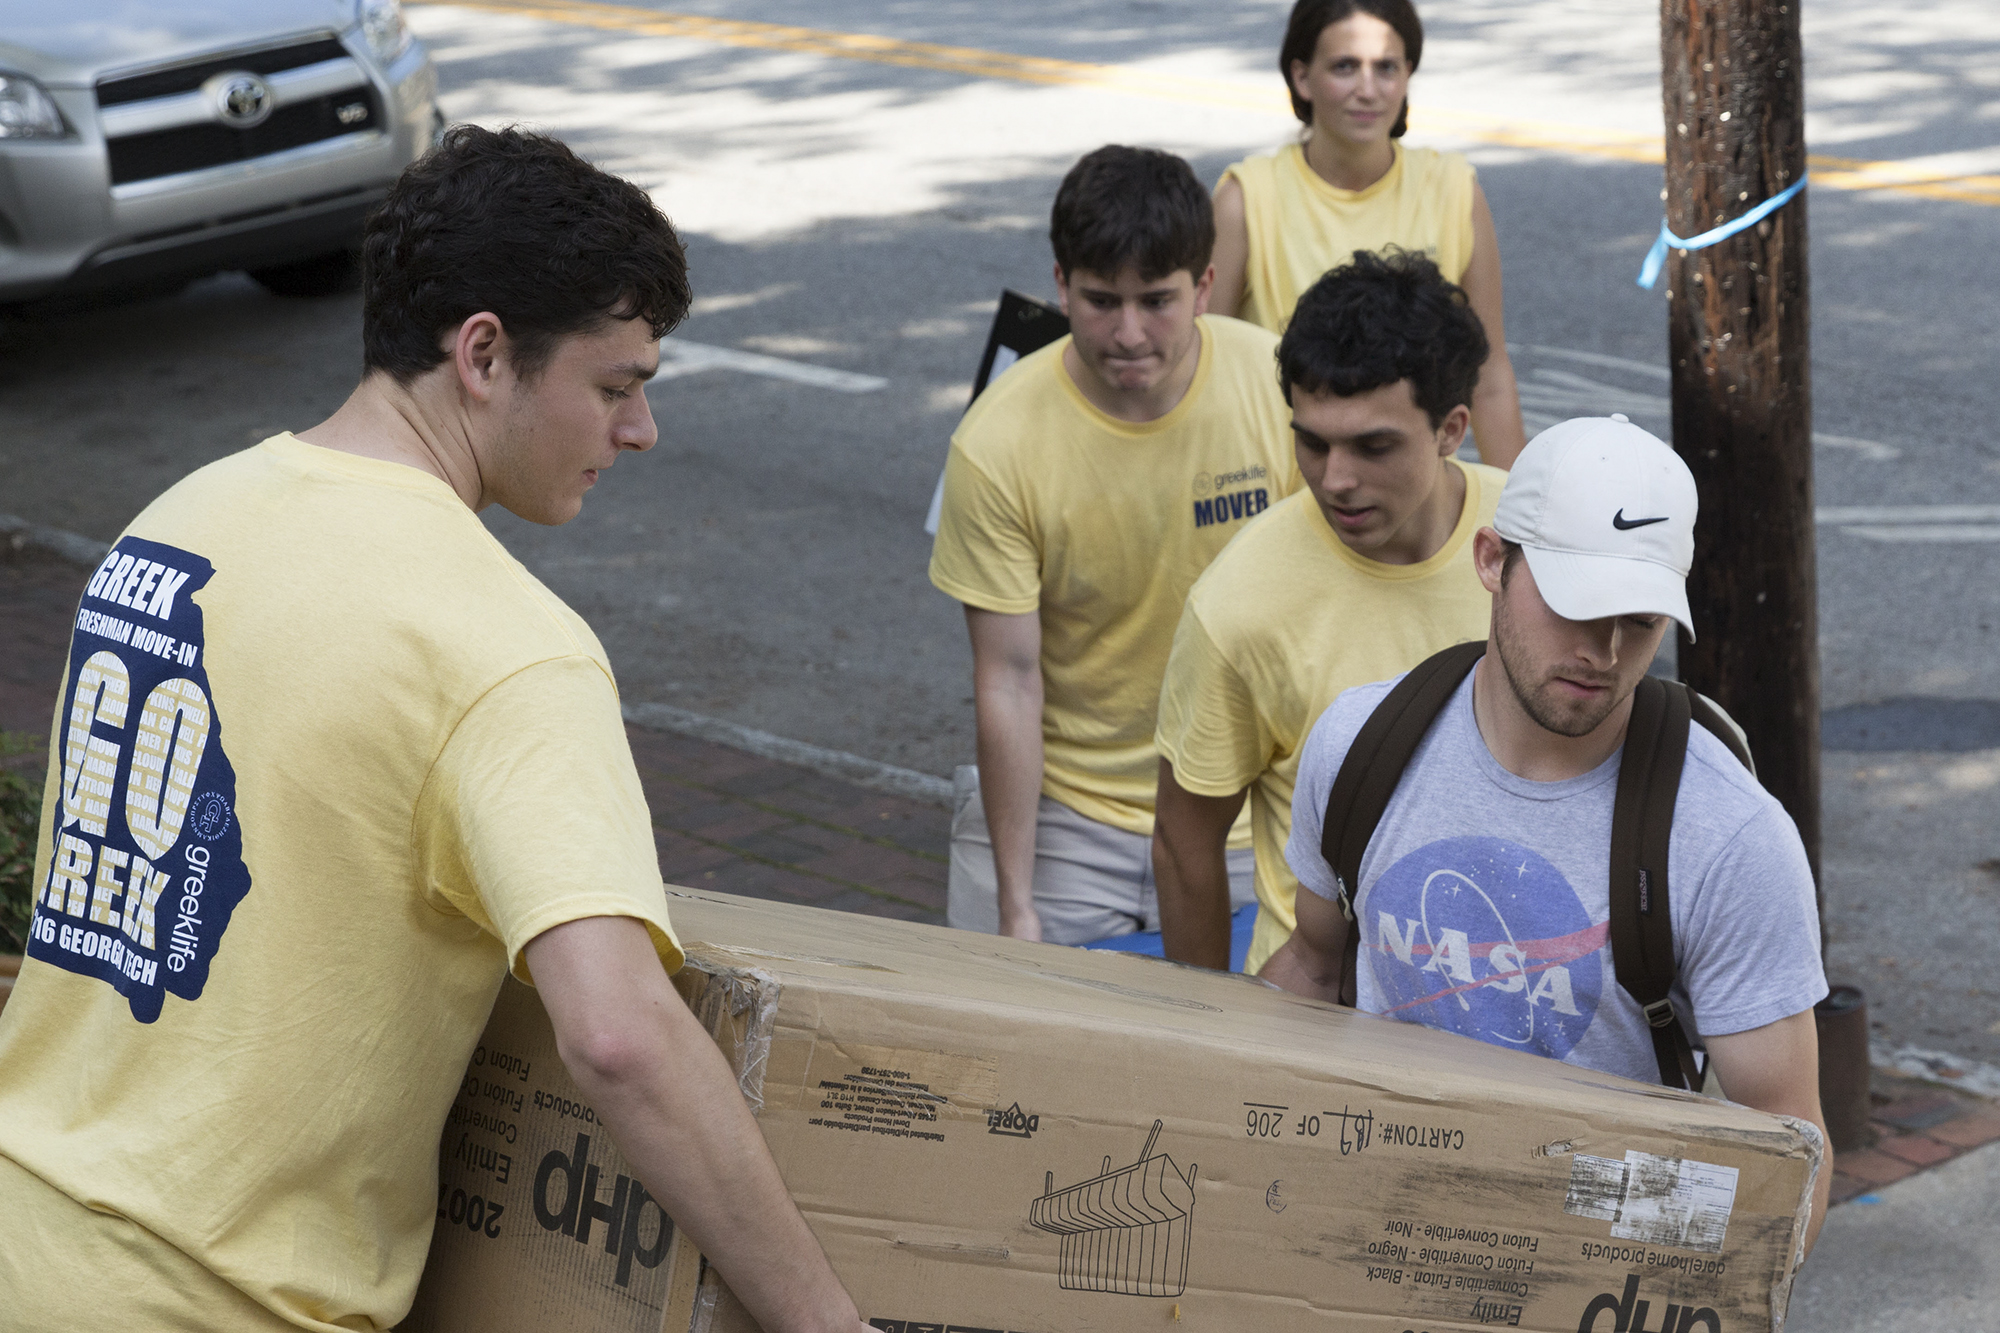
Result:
pixel 146 142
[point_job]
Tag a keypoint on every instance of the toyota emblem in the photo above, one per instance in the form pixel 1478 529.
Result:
pixel 242 101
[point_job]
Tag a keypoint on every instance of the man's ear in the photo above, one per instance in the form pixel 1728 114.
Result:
pixel 479 354
pixel 1062 291
pixel 1489 558
pixel 1451 435
pixel 1203 285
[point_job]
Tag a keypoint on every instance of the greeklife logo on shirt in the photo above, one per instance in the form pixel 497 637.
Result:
pixel 1484 937
pixel 148 862
pixel 1211 505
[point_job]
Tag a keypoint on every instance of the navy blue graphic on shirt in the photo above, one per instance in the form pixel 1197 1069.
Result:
pixel 1235 505
pixel 148 857
pixel 1485 938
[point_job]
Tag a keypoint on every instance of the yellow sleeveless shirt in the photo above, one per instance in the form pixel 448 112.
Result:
pixel 1300 226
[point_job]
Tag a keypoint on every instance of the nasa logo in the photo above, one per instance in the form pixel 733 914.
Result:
pixel 1484 937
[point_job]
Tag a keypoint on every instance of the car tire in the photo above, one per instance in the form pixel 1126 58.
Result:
pixel 330 274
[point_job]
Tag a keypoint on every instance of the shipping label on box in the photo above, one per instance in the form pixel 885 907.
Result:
pixel 988 1135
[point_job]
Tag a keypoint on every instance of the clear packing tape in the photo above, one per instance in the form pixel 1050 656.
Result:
pixel 1781 1293
pixel 1656 258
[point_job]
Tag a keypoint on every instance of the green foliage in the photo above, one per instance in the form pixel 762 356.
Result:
pixel 20 819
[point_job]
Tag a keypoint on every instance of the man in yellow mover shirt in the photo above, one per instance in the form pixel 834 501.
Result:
pixel 1360 576
pixel 1084 492
pixel 329 764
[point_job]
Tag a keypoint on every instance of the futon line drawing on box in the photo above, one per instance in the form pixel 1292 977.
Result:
pixel 1124 1231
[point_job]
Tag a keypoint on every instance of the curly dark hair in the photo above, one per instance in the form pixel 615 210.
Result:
pixel 1138 206
pixel 515 223
pixel 1380 318
pixel 1310 18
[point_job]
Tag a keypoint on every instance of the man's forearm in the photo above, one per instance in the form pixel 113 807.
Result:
pixel 1010 790
pixel 1310 963
pixel 1193 886
pixel 680 1119
pixel 661 1086
pixel 1775 1068
pixel 1191 870
pixel 1291 968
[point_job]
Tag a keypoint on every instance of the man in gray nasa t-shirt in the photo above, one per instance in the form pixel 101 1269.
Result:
pixel 1483 901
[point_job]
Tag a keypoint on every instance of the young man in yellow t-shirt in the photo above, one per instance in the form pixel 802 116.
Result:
pixel 1085 491
pixel 330 764
pixel 1363 574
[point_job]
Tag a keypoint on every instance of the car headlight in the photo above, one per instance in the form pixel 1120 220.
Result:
pixel 26 111
pixel 382 24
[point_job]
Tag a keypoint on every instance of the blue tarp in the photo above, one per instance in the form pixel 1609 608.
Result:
pixel 1148 941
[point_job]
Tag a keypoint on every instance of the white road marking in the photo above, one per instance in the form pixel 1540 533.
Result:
pixel 1549 396
pixel 1595 359
pixel 1936 533
pixel 1872 450
pixel 1915 523
pixel 680 357
pixel 1909 514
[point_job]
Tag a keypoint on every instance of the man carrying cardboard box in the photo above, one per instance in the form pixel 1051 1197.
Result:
pixel 1085 491
pixel 330 763
pixel 1363 574
pixel 1483 898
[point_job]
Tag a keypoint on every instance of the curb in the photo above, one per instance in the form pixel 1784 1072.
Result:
pixel 1937 1067
pixel 904 782
pixel 69 545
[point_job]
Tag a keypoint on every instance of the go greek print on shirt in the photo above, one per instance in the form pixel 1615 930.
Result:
pixel 148 856
pixel 1484 937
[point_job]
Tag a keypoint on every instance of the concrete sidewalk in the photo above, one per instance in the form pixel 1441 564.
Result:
pixel 1922 1257
pixel 1915 1242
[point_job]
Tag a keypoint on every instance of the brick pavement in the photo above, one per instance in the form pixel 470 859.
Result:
pixel 736 823
pixel 723 820
pixel 1915 1125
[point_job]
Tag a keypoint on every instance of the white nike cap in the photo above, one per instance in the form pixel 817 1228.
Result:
pixel 1605 514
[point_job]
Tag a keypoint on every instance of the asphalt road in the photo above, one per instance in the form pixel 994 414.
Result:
pixel 765 563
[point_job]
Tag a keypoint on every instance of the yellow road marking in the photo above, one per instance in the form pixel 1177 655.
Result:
pixel 1840 173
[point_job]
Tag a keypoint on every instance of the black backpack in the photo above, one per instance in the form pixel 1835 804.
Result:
pixel 1642 819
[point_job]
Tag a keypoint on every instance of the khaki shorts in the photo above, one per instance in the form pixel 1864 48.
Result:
pixel 1092 881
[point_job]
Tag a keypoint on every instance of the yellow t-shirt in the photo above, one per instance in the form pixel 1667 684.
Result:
pixel 1102 525
pixel 1282 622
pixel 1300 226
pixel 327 759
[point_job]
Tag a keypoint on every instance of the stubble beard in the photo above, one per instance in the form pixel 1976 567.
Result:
pixel 1563 717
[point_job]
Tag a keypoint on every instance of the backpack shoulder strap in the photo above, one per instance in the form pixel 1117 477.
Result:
pixel 1642 822
pixel 1723 727
pixel 1371 771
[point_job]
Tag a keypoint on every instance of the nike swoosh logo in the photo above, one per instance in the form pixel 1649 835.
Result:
pixel 1624 524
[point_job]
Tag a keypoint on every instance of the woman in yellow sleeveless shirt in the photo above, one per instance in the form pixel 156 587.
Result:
pixel 1282 219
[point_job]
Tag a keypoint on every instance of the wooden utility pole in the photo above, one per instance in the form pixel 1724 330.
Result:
pixel 1742 401
pixel 1739 335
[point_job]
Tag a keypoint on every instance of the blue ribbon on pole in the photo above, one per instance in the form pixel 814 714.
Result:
pixel 1649 272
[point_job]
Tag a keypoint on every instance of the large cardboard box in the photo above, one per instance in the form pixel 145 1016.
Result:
pixel 997 1137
